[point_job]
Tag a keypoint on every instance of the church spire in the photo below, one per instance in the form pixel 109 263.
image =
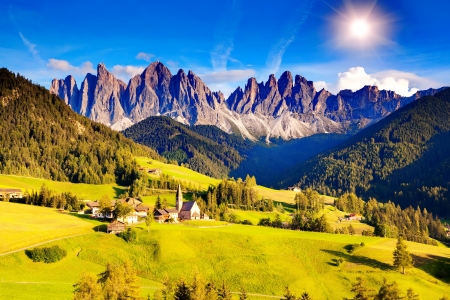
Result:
pixel 179 199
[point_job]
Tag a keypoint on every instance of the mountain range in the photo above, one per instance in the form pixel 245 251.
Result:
pixel 287 108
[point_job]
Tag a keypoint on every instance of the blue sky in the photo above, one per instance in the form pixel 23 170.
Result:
pixel 406 47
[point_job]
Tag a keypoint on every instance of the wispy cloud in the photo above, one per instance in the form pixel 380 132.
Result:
pixel 145 56
pixel 275 56
pixel 65 66
pixel 31 47
pixel 224 36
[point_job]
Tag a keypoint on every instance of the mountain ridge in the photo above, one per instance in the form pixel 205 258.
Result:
pixel 287 108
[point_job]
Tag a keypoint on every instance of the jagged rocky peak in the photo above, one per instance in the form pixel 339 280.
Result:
pixel 285 84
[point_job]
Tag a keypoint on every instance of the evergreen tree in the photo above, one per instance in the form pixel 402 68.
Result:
pixel 211 291
pixel 402 257
pixel 149 220
pixel 119 282
pixel 361 290
pixel 388 291
pixel 182 291
pixel 87 288
pixel 410 295
pixel 243 294
pixel 198 291
pixel 288 295
pixel 224 292
pixel 158 204
pixel 305 296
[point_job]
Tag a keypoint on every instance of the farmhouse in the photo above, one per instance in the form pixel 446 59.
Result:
pixel 11 193
pixel 115 227
pixel 294 188
pixel 140 210
pixel 155 171
pixel 354 217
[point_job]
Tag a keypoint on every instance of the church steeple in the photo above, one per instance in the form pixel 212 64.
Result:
pixel 179 199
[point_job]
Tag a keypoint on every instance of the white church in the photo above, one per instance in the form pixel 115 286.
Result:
pixel 182 211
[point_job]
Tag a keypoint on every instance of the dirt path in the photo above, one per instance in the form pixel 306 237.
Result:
pixel 43 243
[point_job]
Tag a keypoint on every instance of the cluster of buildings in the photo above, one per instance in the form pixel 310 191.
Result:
pixel 182 211
pixel 11 193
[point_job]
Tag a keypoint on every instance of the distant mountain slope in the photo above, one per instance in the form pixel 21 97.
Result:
pixel 287 108
pixel 404 158
pixel 206 149
pixel 40 136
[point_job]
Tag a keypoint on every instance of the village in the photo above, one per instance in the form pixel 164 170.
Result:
pixel 183 211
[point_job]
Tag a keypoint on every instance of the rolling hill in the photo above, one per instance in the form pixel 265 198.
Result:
pixel 40 136
pixel 404 158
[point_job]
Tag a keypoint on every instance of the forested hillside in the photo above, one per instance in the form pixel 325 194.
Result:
pixel 206 149
pixel 41 136
pixel 404 158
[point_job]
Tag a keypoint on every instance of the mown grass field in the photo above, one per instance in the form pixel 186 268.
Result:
pixel 263 260
pixel 81 190
pixel 23 225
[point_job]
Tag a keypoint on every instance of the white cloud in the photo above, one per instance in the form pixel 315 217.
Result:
pixel 126 72
pixel 356 78
pixel 145 56
pixel 227 76
pixel 321 85
pixel 65 66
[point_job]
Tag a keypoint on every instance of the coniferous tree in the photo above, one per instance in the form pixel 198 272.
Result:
pixel 288 295
pixel 243 294
pixel 224 292
pixel 87 288
pixel 305 296
pixel 361 290
pixel 402 257
pixel 410 295
pixel 182 291
pixel 388 291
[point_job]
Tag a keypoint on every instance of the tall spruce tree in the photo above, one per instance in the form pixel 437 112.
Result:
pixel 402 257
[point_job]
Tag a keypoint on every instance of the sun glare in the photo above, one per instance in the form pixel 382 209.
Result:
pixel 359 28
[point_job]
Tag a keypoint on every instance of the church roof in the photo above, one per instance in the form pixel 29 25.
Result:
pixel 187 206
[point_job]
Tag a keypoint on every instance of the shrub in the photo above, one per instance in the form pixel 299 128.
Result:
pixel 247 222
pixel 129 235
pixel 46 254
pixel 353 247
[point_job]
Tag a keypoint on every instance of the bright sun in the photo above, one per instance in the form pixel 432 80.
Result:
pixel 359 28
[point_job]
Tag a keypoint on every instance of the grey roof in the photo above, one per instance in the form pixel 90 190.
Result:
pixel 160 212
pixel 187 206
pixel 93 204
pixel 171 210
pixel 141 207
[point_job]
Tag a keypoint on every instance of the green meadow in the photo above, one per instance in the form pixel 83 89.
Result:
pixel 81 190
pixel 262 260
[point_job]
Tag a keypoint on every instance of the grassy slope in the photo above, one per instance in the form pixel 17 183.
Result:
pixel 263 260
pixel 24 225
pixel 83 191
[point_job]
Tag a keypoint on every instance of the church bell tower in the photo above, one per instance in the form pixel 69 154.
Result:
pixel 179 199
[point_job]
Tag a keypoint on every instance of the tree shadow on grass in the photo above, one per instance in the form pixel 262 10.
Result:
pixel 356 259
pixel 436 266
pixel 119 191
pixel 88 218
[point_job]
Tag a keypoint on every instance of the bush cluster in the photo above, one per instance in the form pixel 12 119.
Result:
pixel 46 254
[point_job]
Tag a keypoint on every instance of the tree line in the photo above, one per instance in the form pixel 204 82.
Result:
pixel 402 158
pixel 390 220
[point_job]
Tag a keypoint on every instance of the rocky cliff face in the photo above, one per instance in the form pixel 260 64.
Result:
pixel 283 108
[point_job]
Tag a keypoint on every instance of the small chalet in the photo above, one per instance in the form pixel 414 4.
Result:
pixel 94 206
pixel 12 193
pixel 354 217
pixel 116 227
pixel 155 171
pixel 294 188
